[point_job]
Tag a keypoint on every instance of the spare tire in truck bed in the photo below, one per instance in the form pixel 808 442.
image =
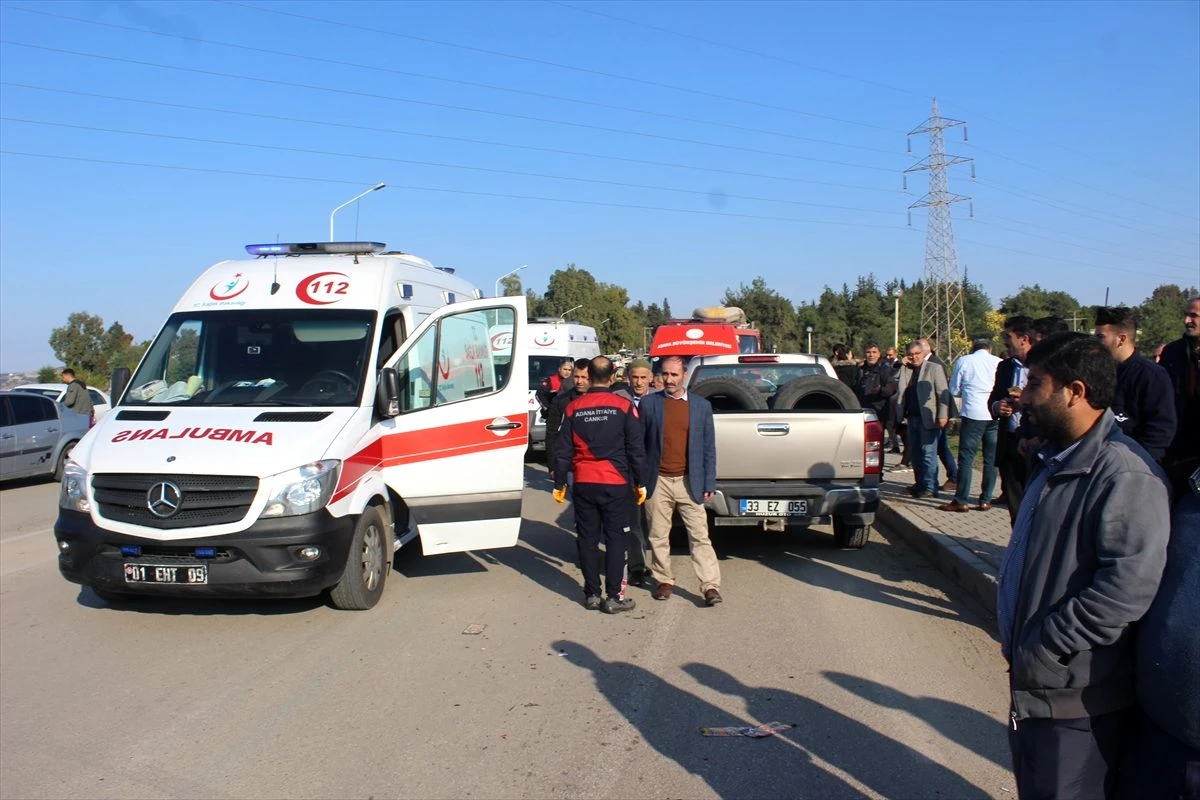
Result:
pixel 818 392
pixel 730 394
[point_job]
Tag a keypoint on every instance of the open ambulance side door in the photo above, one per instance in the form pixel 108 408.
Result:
pixel 455 452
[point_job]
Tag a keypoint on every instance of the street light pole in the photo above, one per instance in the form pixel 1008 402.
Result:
pixel 896 323
pixel 505 275
pixel 808 329
pixel 374 188
pixel 563 316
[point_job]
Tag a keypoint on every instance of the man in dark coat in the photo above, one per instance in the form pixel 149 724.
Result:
pixel 1142 403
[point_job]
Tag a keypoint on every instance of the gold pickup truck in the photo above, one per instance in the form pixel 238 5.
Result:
pixel 794 447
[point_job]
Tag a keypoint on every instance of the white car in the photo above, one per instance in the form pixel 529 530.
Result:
pixel 55 391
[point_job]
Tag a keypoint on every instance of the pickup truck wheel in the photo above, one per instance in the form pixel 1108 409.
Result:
pixel 730 394
pixel 847 536
pixel 818 392
pixel 366 569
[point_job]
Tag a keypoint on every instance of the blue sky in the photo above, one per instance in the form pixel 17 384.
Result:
pixel 673 148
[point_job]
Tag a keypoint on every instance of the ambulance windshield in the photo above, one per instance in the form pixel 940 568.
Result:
pixel 304 357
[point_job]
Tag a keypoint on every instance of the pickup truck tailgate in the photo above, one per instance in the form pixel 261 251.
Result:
pixel 790 445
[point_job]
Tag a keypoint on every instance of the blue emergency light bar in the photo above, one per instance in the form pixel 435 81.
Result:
pixel 315 248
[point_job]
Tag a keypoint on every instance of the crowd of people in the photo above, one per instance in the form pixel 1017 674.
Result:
pixel 640 450
pixel 1097 451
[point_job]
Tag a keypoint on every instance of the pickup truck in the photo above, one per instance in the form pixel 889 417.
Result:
pixel 793 444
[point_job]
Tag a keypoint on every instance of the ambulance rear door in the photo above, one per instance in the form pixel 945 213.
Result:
pixel 455 452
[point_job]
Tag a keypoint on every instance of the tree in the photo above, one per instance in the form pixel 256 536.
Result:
pixel 1160 316
pixel 87 347
pixel 1034 301
pixel 771 312
pixel 49 375
pixel 510 286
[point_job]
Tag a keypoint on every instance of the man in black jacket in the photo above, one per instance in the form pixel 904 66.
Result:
pixel 1142 403
pixel 602 440
pixel 1181 360
pixel 875 384
pixel 1005 405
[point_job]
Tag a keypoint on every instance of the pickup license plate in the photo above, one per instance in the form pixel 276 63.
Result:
pixel 163 573
pixel 774 508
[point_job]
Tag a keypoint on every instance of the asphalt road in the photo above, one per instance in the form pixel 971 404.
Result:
pixel 888 672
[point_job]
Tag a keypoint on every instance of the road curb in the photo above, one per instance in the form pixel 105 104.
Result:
pixel 946 552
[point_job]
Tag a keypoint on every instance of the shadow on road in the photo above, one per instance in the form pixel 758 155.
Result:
pixel 972 729
pixel 669 720
pixel 200 606
pixel 880 763
pixel 811 556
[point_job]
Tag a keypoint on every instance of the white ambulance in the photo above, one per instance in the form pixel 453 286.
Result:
pixel 550 340
pixel 299 417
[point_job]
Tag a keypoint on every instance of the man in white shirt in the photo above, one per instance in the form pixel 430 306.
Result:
pixel 972 379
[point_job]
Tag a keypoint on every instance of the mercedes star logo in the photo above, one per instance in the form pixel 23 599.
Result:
pixel 164 499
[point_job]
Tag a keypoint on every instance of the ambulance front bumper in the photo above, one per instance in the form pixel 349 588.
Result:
pixel 271 558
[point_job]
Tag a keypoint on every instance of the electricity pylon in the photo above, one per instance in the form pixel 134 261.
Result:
pixel 942 318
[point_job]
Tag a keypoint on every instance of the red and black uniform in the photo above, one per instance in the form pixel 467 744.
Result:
pixel 601 438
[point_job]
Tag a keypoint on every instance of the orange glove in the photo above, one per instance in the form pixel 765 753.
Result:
pixel 641 495
pixel 560 494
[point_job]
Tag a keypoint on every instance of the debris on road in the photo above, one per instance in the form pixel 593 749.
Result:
pixel 754 732
pixel 474 629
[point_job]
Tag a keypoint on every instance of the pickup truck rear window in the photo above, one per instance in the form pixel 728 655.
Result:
pixel 767 378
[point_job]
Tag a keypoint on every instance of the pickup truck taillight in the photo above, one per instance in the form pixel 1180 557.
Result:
pixel 873 449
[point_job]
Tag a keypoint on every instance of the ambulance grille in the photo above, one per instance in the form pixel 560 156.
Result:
pixel 205 499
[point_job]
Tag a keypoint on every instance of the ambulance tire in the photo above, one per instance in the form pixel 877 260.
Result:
pixel 367 564
pixel 730 394
pixel 817 392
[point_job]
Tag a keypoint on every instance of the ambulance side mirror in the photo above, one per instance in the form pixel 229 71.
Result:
pixel 387 394
pixel 118 383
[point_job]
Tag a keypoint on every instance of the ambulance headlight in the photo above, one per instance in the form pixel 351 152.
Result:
pixel 73 493
pixel 302 490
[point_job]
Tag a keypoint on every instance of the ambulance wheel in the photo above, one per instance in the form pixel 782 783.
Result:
pixel 61 467
pixel 366 569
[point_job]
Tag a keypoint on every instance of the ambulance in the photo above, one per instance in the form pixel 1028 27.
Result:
pixel 301 416
pixel 550 340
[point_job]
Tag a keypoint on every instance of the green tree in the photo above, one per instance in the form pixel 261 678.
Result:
pixel 770 311
pixel 1160 316
pixel 1034 301
pixel 49 375
pixel 510 286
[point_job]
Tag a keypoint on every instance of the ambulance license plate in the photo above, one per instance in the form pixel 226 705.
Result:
pixel 774 508
pixel 162 573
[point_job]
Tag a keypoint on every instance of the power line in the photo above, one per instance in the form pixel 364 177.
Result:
pixel 545 63
pixel 1063 205
pixel 441 165
pixel 771 57
pixel 1080 246
pixel 448 106
pixel 1108 242
pixel 1068 260
pixel 737 48
pixel 1080 183
pixel 456 81
pixel 444 137
pixel 505 196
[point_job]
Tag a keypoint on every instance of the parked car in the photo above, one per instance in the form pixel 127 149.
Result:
pixel 36 435
pixel 55 391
